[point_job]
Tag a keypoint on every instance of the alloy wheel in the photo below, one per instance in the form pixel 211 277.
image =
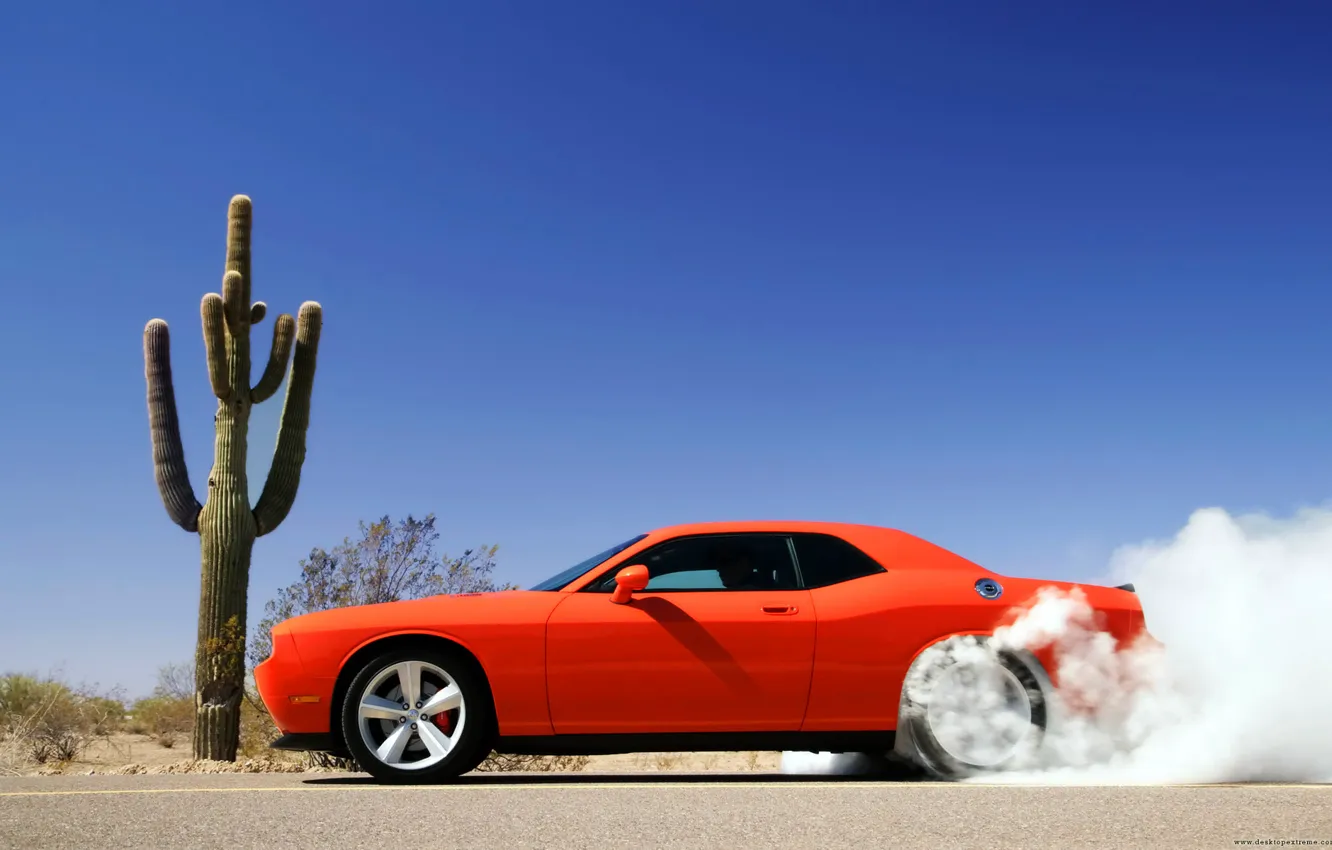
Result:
pixel 411 715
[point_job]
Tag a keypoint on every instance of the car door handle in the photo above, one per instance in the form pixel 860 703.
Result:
pixel 780 609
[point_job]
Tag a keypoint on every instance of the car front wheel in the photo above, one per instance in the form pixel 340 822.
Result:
pixel 417 715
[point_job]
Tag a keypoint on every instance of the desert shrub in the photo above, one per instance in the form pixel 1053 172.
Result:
pixel 175 681
pixel 257 730
pixel 326 761
pixel 28 696
pixel 43 720
pixel 14 753
pixel 107 714
pixel 168 720
pixel 510 763
pixel 387 563
pixel 167 716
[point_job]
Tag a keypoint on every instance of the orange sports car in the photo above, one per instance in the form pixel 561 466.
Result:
pixel 790 636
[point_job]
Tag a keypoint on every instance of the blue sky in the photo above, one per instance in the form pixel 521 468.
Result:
pixel 1027 280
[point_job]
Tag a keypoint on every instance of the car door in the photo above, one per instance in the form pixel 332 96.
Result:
pixel 869 626
pixel 688 653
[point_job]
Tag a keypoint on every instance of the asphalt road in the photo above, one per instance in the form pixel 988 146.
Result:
pixel 239 812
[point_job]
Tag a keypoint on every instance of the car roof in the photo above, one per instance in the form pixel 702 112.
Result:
pixel 885 542
pixel 842 529
pixel 740 526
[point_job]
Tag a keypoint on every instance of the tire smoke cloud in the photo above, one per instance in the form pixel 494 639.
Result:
pixel 1236 687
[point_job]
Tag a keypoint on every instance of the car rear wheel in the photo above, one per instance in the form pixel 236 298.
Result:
pixel 417 715
pixel 970 709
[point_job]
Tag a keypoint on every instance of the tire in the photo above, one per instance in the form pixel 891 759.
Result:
pixel 969 710
pixel 464 734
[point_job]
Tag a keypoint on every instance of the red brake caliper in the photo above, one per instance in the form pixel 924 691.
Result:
pixel 442 721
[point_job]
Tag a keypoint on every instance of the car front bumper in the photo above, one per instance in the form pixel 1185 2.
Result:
pixel 299 704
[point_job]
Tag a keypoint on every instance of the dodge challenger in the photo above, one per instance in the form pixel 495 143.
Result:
pixel 723 636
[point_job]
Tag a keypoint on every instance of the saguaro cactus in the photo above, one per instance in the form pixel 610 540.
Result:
pixel 226 524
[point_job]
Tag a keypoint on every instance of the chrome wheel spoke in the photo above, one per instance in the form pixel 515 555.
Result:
pixel 390 752
pixel 409 679
pixel 379 708
pixel 435 740
pixel 445 699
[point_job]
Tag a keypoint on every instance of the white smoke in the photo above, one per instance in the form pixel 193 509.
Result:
pixel 1241 691
pixel 841 764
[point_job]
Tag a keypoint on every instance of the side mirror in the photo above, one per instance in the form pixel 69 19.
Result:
pixel 627 580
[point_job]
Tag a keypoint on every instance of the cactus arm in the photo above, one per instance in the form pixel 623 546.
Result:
pixel 284 331
pixel 173 478
pixel 233 293
pixel 240 217
pixel 215 344
pixel 284 475
pixel 257 312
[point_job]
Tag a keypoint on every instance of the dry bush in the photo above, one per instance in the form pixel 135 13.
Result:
pixel 14 736
pixel 662 761
pixel 328 761
pixel 510 763
pixel 176 681
pixel 206 766
pixel 44 721
pixel 168 717
pixel 670 761
pixel 258 731
pixel 168 720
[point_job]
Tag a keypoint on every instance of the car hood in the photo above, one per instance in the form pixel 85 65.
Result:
pixel 408 610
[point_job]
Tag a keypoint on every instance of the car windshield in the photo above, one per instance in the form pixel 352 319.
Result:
pixel 559 580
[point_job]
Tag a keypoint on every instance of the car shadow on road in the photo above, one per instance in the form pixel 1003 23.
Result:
pixel 659 778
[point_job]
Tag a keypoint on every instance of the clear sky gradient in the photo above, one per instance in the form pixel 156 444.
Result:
pixel 1029 280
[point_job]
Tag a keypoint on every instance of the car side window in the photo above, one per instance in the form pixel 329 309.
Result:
pixel 825 559
pixel 713 562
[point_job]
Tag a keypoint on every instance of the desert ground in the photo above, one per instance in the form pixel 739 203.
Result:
pixel 128 753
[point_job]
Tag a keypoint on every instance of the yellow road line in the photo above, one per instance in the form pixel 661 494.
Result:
pixel 528 786
pixel 442 787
